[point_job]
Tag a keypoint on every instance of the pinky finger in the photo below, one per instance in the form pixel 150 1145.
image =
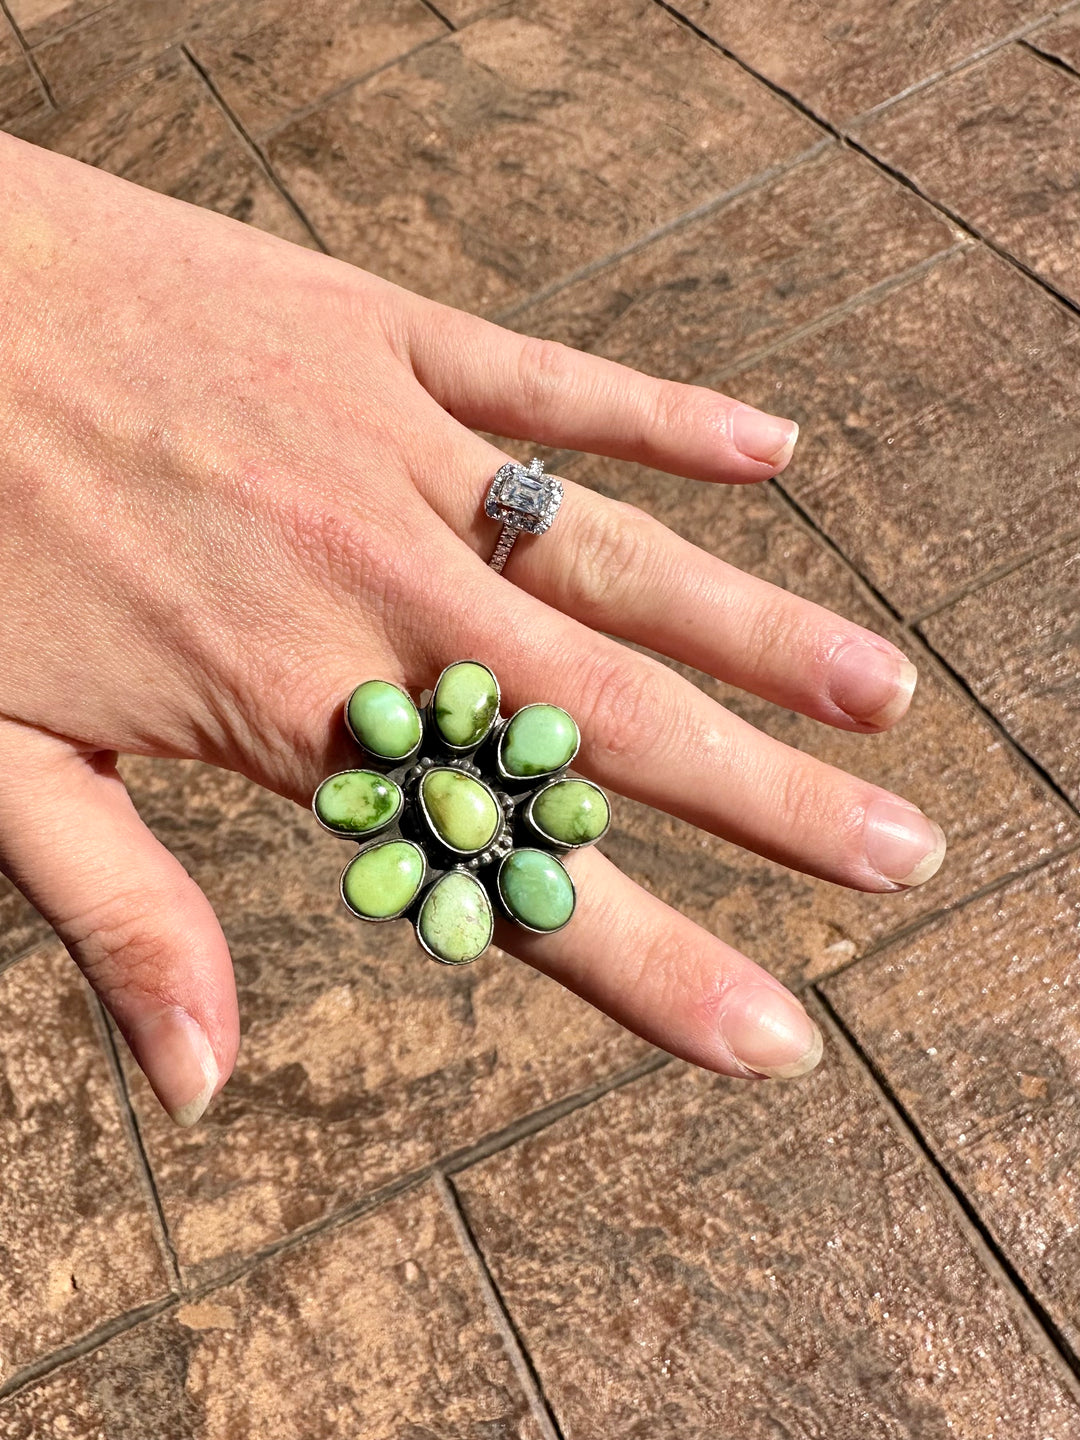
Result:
pixel 138 926
pixel 668 980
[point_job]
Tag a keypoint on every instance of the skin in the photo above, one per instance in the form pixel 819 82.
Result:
pixel 239 477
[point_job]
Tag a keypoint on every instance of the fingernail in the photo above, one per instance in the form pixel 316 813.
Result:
pixel 871 685
pixel 175 1055
pixel 902 844
pixel 763 437
pixel 770 1032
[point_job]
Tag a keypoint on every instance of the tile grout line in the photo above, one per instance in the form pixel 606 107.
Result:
pixel 28 55
pixel 944 912
pixel 25 952
pixel 1046 1330
pixel 447 1165
pixel 686 218
pixel 1055 62
pixel 84 1345
pixel 1014 37
pixel 843 134
pixel 131 1123
pixel 899 280
pixel 439 16
pixel 527 1374
pixel 249 144
pixel 1061 540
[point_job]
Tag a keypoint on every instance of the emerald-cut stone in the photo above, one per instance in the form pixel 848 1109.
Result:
pixel 356 802
pixel 463 813
pixel 466 702
pixel 384 719
pixel 538 739
pixel 383 879
pixel 570 812
pixel 456 920
pixel 536 889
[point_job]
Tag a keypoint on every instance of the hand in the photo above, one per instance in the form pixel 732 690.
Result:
pixel 237 479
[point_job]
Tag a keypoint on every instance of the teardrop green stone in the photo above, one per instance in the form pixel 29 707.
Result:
pixel 384 719
pixel 573 812
pixel 356 802
pixel 538 739
pixel 466 702
pixel 383 879
pixel 462 812
pixel 456 920
pixel 536 889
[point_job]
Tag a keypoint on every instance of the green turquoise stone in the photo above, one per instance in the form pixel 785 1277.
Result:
pixel 538 739
pixel 536 889
pixel 383 879
pixel 456 920
pixel 572 812
pixel 466 702
pixel 463 813
pixel 356 802
pixel 384 719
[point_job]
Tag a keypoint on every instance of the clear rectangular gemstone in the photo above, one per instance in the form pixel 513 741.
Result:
pixel 522 492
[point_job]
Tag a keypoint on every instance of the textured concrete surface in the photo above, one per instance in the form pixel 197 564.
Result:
pixel 465 1204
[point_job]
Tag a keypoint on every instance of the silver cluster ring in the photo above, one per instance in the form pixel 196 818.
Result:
pixel 522 497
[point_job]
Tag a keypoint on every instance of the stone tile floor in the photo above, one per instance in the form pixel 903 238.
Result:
pixel 465 1204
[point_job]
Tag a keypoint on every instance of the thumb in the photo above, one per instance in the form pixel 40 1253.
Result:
pixel 140 929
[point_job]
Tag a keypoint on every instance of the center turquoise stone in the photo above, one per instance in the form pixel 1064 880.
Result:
pixel 536 889
pixel 383 879
pixel 384 719
pixel 357 802
pixel 463 813
pixel 456 920
pixel 465 703
pixel 538 739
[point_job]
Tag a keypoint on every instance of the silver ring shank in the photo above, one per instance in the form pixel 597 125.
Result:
pixel 505 543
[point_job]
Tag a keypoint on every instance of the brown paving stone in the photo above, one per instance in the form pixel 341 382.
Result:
pixel 940 433
pixel 20 93
pixel 719 288
pixel 942 755
pixel 77 1247
pixel 376 1330
pixel 1017 644
pixel 694 1257
pixel 20 924
pixel 975 1023
pixel 541 137
pixel 268 60
pixel 361 1059
pixel 161 128
pixel 38 19
pixel 843 58
pixel 271 60
pixel 1060 38
pixel 999 144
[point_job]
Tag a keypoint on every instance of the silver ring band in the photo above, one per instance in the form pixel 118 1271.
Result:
pixel 522 498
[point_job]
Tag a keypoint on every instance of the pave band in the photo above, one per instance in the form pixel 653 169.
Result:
pixel 523 498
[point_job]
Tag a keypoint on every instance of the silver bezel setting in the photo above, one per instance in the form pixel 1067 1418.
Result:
pixel 538 829
pixel 359 836
pixel 430 708
pixel 536 519
pixel 385 840
pixel 502 898
pixel 388 759
pixel 541 775
pixel 454 870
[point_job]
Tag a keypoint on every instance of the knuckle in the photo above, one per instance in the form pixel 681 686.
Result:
pixel 615 545
pixel 545 369
pixel 801 803
pixel 635 712
pixel 678 409
pixel 344 555
pixel 120 947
